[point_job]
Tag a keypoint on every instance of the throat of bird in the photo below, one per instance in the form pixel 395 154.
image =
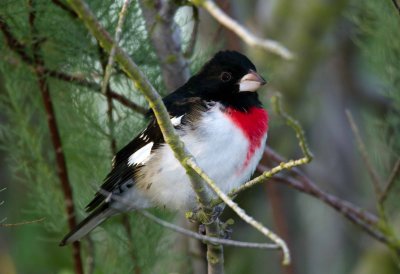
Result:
pixel 254 125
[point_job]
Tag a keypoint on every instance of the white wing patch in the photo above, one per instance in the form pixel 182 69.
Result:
pixel 176 121
pixel 141 156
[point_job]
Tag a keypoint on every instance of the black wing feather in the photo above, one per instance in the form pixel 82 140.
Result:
pixel 121 172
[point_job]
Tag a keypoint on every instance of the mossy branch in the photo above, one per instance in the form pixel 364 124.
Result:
pixel 241 213
pixel 248 37
pixel 117 36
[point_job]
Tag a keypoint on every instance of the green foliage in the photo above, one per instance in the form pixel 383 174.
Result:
pixel 66 46
pixel 379 26
pixel 378 23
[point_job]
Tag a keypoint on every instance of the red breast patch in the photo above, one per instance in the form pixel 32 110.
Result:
pixel 253 124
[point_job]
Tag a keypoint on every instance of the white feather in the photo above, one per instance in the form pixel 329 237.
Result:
pixel 141 156
pixel 176 121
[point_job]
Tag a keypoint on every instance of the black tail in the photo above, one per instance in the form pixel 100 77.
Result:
pixel 88 224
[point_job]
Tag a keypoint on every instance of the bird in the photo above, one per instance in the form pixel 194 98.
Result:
pixel 218 116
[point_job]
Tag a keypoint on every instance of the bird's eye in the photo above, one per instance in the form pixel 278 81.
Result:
pixel 225 76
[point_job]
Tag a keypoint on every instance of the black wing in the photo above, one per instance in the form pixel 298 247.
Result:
pixel 122 173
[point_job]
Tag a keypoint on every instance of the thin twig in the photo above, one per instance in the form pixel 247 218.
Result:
pixel 106 90
pixel 167 43
pixel 1 203
pixel 13 43
pixel 390 183
pixel 23 223
pixel 396 5
pixel 279 217
pixel 128 230
pixel 334 203
pixel 117 37
pixel 305 184
pixel 189 233
pixel 64 7
pixel 90 257
pixel 276 102
pixel 363 150
pixel 110 106
pixel 299 181
pixel 107 68
pixel 206 239
pixel 248 37
pixel 96 87
pixel 22 52
pixel 56 140
pixel 241 213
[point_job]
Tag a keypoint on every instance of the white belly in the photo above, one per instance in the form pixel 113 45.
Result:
pixel 220 149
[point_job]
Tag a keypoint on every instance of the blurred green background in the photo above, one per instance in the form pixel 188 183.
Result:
pixel 347 58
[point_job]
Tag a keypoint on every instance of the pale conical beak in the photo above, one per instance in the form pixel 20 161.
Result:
pixel 252 81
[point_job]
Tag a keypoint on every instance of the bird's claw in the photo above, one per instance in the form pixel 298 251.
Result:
pixel 198 215
pixel 225 229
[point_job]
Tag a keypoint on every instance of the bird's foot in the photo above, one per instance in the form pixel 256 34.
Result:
pixel 225 229
pixel 198 215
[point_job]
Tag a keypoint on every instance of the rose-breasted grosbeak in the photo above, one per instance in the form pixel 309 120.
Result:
pixel 219 118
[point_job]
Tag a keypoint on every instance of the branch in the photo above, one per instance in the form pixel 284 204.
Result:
pixel 166 39
pixel 164 35
pixel 13 43
pixel 2 203
pixel 107 68
pixel 251 39
pixel 55 139
pixel 189 233
pixel 279 218
pixel 64 7
pixel 96 87
pixel 193 37
pixel 299 181
pixel 206 239
pixel 348 210
pixel 241 213
pixel 396 5
pixel 22 52
pixel 106 90
pixel 392 178
pixel 118 31
pixel 61 164
pixel 22 223
pixel 363 150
